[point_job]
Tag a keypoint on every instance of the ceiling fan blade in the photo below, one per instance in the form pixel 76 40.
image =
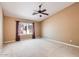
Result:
pixel 44 13
pixel 40 7
pixel 34 13
pixel 43 10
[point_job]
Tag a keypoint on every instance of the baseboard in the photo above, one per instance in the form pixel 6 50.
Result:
pixel 9 41
pixel 68 44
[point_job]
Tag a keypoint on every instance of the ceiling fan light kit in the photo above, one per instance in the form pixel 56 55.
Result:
pixel 40 11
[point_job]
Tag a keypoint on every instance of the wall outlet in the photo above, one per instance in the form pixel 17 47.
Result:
pixel 70 40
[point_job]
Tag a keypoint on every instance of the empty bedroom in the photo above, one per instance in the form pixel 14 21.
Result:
pixel 39 29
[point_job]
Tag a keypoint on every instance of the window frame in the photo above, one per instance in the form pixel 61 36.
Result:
pixel 27 28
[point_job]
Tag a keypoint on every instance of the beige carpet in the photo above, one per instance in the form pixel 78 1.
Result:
pixel 38 48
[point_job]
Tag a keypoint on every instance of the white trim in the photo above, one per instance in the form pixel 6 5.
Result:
pixel 9 41
pixel 63 43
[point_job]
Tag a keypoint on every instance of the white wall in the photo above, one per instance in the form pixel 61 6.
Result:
pixel 1 27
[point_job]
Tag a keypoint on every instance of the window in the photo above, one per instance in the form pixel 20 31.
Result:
pixel 25 28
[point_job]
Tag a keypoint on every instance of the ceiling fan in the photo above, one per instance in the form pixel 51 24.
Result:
pixel 40 11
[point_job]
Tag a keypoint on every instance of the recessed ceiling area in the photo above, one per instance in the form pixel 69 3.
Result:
pixel 24 10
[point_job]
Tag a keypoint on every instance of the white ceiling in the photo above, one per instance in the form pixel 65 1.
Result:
pixel 24 10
